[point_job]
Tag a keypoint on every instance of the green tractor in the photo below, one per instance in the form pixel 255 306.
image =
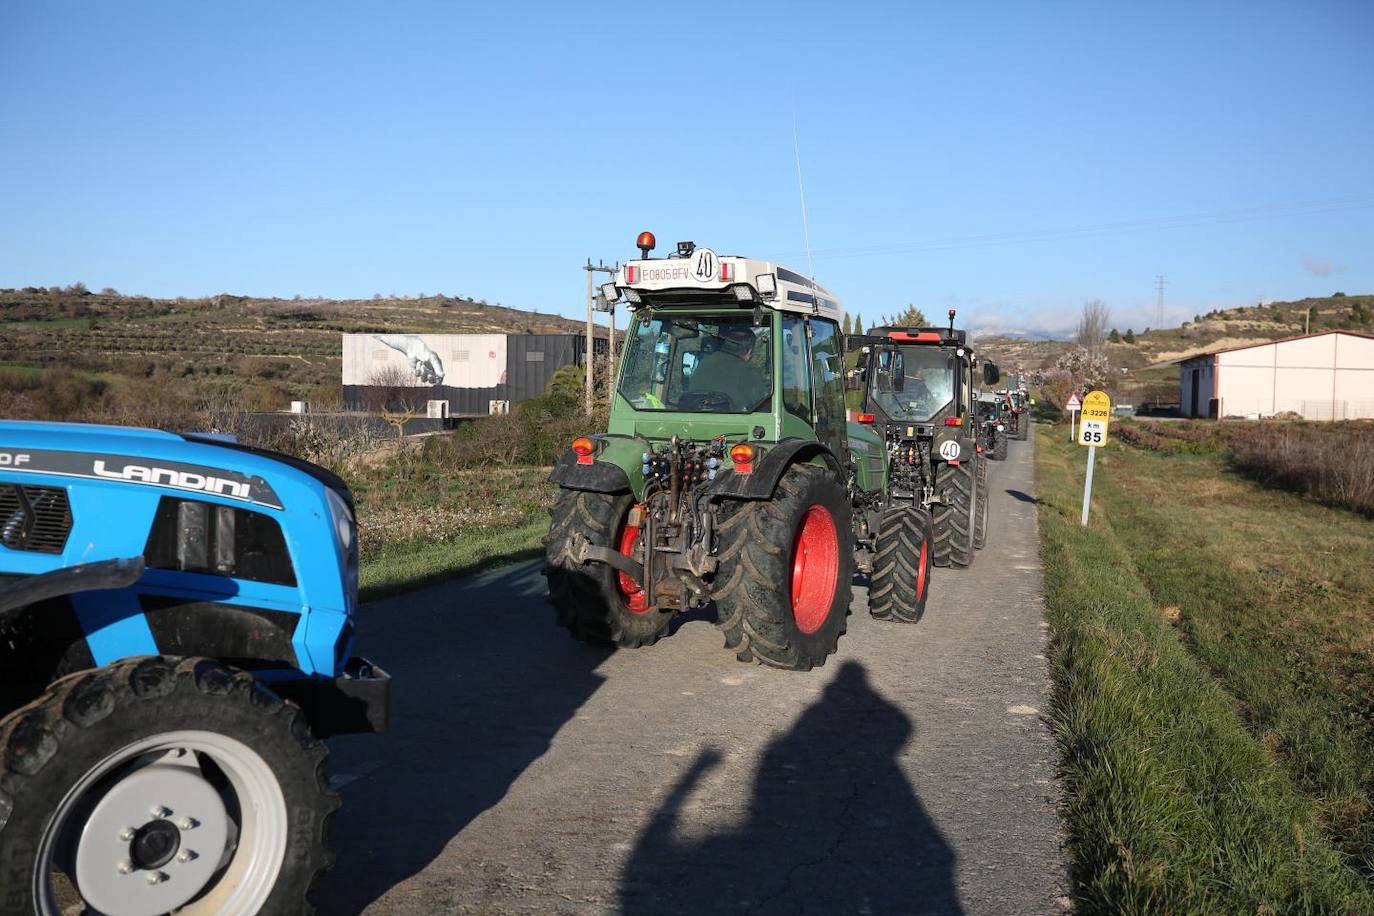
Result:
pixel 919 392
pixel 994 424
pixel 729 472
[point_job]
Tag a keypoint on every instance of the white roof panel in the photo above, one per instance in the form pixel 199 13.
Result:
pixel 705 271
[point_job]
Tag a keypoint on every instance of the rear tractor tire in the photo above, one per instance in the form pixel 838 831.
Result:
pixel 597 603
pixel 161 785
pixel 999 446
pixel 786 570
pixel 1023 425
pixel 954 516
pixel 900 583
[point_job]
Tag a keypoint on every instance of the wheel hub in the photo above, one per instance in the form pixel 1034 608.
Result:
pixel 815 568
pixel 152 842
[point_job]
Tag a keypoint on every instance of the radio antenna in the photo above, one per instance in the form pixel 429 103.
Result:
pixel 801 192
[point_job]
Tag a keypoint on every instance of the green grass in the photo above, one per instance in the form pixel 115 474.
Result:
pixel 19 374
pixel 402 567
pixel 424 521
pixel 1210 700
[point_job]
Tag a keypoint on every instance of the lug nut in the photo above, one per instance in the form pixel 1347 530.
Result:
pixel 157 877
pixel 186 855
pixel 125 868
pixel 160 811
pixel 187 823
pixel 126 834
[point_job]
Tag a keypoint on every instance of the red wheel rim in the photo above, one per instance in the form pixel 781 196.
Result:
pixel 631 595
pixel 921 570
pixel 815 567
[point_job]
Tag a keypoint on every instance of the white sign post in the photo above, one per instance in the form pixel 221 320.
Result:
pixel 1097 412
pixel 1072 408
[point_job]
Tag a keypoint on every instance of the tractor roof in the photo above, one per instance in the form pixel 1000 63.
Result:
pixel 912 337
pixel 736 281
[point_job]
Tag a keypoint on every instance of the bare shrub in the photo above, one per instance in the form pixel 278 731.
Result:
pixel 333 445
pixel 388 388
pixel 1056 385
pixel 1332 463
pixel 1092 325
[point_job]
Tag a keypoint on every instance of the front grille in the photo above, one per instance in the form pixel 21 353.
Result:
pixel 34 518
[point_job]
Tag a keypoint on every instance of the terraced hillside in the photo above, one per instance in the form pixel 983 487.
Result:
pixel 1220 328
pixel 288 346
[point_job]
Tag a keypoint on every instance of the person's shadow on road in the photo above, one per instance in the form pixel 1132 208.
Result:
pixel 833 826
pixel 483 680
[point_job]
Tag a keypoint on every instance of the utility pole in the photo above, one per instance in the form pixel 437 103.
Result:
pixel 1159 286
pixel 591 270
pixel 610 352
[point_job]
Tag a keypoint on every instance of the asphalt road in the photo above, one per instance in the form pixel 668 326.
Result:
pixel 527 773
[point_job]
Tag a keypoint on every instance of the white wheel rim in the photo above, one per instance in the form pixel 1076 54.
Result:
pixel 89 834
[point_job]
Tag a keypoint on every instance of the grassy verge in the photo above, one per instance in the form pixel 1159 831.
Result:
pixel 421 522
pixel 1212 671
pixel 402 567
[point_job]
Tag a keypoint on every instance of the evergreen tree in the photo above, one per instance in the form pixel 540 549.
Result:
pixel 1129 336
pixel 911 318
pixel 848 327
pixel 859 323
pixel 1114 336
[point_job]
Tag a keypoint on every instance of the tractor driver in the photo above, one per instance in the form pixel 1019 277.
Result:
pixel 730 370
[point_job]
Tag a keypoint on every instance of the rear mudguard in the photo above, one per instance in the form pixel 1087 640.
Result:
pixel 598 476
pixel 760 483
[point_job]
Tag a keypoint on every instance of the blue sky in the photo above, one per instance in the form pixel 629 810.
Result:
pixel 1010 159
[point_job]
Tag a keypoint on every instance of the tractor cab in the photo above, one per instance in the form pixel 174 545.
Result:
pixel 920 382
pixel 721 345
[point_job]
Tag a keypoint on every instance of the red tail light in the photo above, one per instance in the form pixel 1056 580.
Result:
pixel 743 457
pixel 582 447
pixel 865 418
pixel 954 421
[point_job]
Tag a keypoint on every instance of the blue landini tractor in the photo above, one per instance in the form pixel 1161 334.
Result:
pixel 176 636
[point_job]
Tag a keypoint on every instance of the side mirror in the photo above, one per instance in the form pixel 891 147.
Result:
pixel 991 373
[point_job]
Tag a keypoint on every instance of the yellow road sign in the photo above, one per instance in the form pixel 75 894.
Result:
pixel 1096 414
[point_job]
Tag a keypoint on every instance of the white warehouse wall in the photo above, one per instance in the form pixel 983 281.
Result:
pixel 1329 376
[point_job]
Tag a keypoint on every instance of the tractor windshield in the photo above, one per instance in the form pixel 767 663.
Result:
pixel 701 364
pixel 913 383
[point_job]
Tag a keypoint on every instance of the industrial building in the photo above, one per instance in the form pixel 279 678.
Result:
pixel 1325 376
pixel 455 375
